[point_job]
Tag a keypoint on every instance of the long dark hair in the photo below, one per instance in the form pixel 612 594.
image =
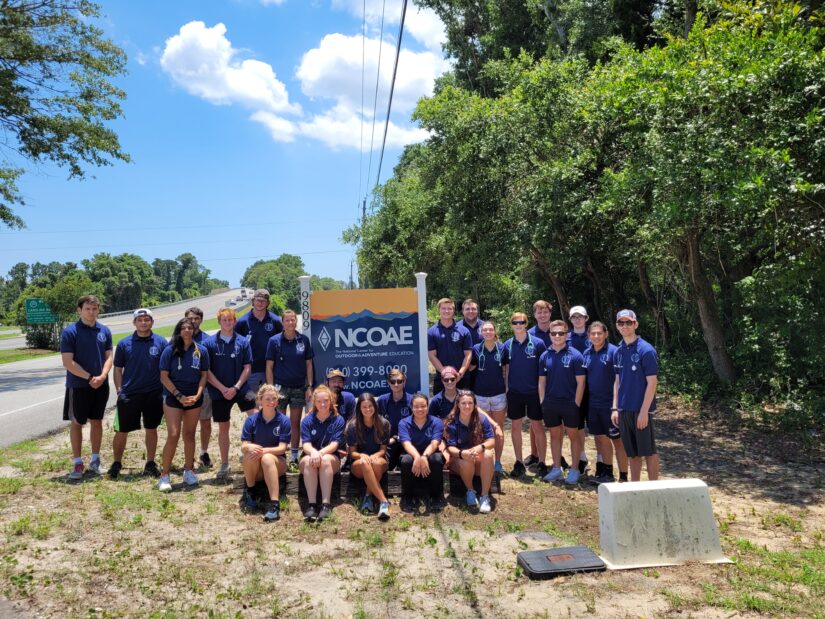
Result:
pixel 177 341
pixel 476 433
pixel 381 426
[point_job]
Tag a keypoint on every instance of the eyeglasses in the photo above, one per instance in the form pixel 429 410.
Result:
pixel 624 323
pixel 449 380
pixel 518 322
pixel 574 316
pixel 396 381
pixel 558 333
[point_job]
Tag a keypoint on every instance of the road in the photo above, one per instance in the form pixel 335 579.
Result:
pixel 32 391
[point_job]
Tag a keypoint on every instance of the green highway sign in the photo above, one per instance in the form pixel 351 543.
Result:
pixel 38 313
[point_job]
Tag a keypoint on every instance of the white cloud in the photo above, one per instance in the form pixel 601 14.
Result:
pixel 281 129
pixel 422 23
pixel 204 63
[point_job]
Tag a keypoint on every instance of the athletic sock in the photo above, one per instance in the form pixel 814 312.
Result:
pixel 582 456
pixel 78 460
pixel 599 468
pixel 203 451
pixel 95 457
pixel 622 476
pixel 607 469
pixel 599 458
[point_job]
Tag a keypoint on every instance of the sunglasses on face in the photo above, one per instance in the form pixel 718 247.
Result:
pixel 624 323
pixel 396 381
pixel 558 333
pixel 518 322
pixel 452 379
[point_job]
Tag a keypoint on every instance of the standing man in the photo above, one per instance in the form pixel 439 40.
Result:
pixel 634 396
pixel 195 314
pixel 289 367
pixel 139 392
pixel 577 338
pixel 258 326
pixel 86 353
pixel 449 344
pixel 542 312
pixel 469 320
pixel 229 368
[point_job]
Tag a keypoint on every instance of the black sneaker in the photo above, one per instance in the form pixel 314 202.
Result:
pixel 114 470
pixel 206 461
pixel 326 512
pixel 541 470
pixel 250 500
pixel 531 460
pixel 409 504
pixel 310 514
pixel 623 476
pixel 583 467
pixel 151 469
pixel 437 504
pixel 273 511
pixel 518 470
pixel 564 464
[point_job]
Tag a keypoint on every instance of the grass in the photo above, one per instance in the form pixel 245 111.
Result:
pixel 9 336
pixel 22 354
pixel 207 325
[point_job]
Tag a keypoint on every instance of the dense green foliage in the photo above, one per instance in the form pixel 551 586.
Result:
pixel 56 92
pixel 683 176
pixel 280 277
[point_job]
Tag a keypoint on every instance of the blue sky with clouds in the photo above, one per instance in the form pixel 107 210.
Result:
pixel 244 123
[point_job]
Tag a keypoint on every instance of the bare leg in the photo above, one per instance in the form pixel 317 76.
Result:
pixel 206 433
pixel 76 438
pixel 274 467
pixel 119 445
pixel 173 421
pixel 295 421
pixel 621 456
pixel 515 434
pixel 465 470
pixel 498 417
pixel 537 428
pixel 652 467
pixel 485 470
pixel 329 467
pixel 223 441
pixel 151 440
pixel 635 469
pixel 95 434
pixel 190 425
pixel 556 438
pixel 310 474
pixel 251 471
pixel 371 474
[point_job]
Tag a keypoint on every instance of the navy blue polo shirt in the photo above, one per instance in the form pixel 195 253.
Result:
pixel 227 360
pixel 368 443
pixel 449 343
pixel 200 336
pixel 523 377
pixel 139 358
pixel 185 371
pixel 257 430
pixel 259 332
pixel 289 359
pixel 322 433
pixel 458 435
pixel 633 364
pixel 394 411
pixel 89 346
pixel 560 368
pixel 489 369
pixel 346 405
pixel 600 375
pixel 432 430
pixel 544 336
pixel 579 341
pixel 475 332
pixel 440 406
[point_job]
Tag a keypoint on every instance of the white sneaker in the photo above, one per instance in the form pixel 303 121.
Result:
pixel 485 507
pixel 384 511
pixel 94 466
pixel 165 483
pixel 189 477
pixel 223 473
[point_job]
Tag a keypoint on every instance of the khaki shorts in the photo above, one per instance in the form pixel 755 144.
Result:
pixel 206 407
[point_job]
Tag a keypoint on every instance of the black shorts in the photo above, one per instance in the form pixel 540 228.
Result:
pixel 584 406
pixel 130 409
pixel 558 412
pixel 600 424
pixel 520 403
pixel 172 402
pixel 83 403
pixel 637 443
pixel 221 408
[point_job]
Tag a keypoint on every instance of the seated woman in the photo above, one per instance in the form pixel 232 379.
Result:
pixel 422 464
pixel 470 440
pixel 264 442
pixel 367 435
pixel 322 430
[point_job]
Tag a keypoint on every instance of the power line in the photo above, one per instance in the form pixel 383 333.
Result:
pixel 375 96
pixel 392 90
pixel 363 64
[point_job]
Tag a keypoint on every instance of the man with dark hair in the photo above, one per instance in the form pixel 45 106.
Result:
pixel 449 344
pixel 195 314
pixel 259 325
pixel 86 353
pixel 470 321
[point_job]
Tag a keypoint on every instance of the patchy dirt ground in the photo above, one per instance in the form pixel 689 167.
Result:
pixel 105 548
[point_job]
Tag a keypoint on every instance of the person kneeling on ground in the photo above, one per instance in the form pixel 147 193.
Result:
pixel 471 440
pixel 422 465
pixel 264 442
pixel 322 431
pixel 367 436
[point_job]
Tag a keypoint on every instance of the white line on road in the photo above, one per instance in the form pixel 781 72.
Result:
pixel 60 397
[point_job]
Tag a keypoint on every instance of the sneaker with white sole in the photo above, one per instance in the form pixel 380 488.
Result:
pixel 223 472
pixel 572 477
pixel 555 474
pixel 165 483
pixel 485 507
pixel 77 471
pixel 94 467
pixel 472 499
pixel 189 477
pixel 384 511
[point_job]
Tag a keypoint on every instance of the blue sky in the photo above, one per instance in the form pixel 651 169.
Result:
pixel 243 119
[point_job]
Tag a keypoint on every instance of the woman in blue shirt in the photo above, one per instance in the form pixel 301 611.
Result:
pixel 488 361
pixel 322 431
pixel 367 436
pixel 184 365
pixel 470 441
pixel 422 465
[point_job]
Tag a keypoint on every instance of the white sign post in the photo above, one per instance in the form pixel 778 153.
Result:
pixel 423 359
pixel 305 306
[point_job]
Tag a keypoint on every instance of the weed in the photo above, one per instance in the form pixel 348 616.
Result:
pixel 10 485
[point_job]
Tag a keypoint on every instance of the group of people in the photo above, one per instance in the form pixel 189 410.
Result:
pixel 261 363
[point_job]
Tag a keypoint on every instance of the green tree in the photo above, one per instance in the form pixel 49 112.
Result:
pixel 127 279
pixel 56 72
pixel 280 277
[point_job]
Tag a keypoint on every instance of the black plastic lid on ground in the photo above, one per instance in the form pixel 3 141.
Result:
pixel 559 561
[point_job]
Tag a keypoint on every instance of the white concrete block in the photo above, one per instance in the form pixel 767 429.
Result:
pixel 652 523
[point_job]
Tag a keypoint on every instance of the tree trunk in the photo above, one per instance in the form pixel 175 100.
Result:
pixel 662 325
pixel 708 312
pixel 547 273
pixel 604 313
pixel 691 8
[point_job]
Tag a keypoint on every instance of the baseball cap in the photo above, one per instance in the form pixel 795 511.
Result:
pixel 626 313
pixel 578 309
pixel 262 293
pixel 449 370
pixel 142 312
pixel 335 372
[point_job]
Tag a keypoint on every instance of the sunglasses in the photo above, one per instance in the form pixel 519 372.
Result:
pixel 518 322
pixel 396 381
pixel 558 333
pixel 449 380
pixel 575 316
pixel 624 323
